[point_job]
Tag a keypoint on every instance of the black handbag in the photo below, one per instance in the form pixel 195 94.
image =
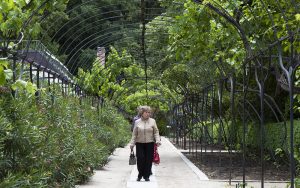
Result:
pixel 132 159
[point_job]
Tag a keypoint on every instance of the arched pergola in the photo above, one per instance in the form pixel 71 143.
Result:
pixel 275 57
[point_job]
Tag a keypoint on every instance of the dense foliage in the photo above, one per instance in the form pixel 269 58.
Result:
pixel 122 82
pixel 55 145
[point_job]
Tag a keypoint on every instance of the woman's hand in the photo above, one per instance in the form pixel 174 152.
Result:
pixel 158 144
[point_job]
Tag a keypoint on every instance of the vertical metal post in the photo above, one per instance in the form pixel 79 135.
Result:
pixel 62 86
pixel 192 123
pixel 177 127
pixel 43 80
pixel 212 115
pixel 98 107
pixel 260 83
pixel 184 125
pixel 220 96
pixel 66 87
pixel 53 92
pixel 80 96
pixel 292 160
pixel 244 125
pixel 206 134
pixel 49 89
pixel 262 132
pixel 37 93
pixel 30 72
pixel 197 128
pixel 232 127
pixel 291 96
pixel 143 46
pixel 290 73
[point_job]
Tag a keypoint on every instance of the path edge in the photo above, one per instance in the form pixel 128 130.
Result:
pixel 191 165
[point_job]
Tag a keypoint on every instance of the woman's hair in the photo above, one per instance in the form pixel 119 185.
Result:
pixel 143 109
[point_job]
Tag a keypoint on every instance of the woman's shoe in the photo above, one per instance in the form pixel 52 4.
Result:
pixel 138 179
pixel 147 179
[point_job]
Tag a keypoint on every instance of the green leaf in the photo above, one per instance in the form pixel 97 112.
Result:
pixel 11 4
pixel 3 66
pixel 35 30
pixel 8 74
pixel 31 88
pixel 4 63
pixel 20 3
pixel 19 84
pixel 297 16
pixel 2 76
pixel 23 85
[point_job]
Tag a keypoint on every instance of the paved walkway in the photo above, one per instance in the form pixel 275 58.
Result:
pixel 174 171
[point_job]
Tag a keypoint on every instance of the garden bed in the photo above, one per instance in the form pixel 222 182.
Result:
pixel 216 165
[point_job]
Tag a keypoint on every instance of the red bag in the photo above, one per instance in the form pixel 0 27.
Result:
pixel 156 158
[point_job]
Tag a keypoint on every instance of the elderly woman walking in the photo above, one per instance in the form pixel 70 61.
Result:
pixel 144 135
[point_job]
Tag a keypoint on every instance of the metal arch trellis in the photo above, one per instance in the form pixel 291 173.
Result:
pixel 86 64
pixel 87 42
pixel 95 37
pixel 262 100
pixel 95 41
pixel 289 72
pixel 143 45
pixel 260 76
pixel 197 107
pixel 49 58
pixel 183 130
